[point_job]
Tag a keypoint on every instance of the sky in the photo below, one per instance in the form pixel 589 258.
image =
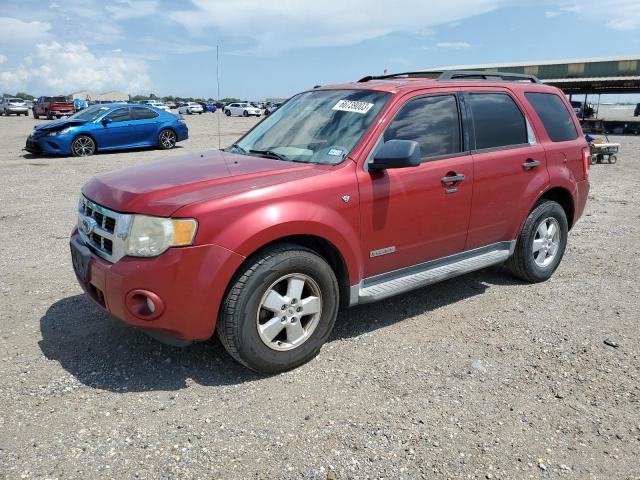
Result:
pixel 275 48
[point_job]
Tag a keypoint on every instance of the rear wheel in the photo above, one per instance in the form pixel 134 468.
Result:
pixel 227 113
pixel 245 114
pixel 167 139
pixel 279 310
pixel 83 146
pixel 541 243
pixel 613 159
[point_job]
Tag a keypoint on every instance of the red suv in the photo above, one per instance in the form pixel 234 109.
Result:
pixel 346 194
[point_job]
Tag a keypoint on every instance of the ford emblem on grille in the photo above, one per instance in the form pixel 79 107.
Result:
pixel 88 225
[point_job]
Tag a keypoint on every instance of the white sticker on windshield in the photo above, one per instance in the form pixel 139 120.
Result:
pixel 335 152
pixel 352 106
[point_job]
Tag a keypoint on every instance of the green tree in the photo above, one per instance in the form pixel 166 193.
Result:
pixel 24 96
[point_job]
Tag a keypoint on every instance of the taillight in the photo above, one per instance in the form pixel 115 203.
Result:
pixel 586 162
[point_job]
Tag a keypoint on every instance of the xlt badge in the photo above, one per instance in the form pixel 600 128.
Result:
pixel 382 251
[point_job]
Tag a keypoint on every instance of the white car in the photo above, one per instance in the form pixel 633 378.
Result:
pixel 191 108
pixel 243 109
pixel 157 104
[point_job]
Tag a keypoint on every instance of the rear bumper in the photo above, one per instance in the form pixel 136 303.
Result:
pixel 582 194
pixel 182 131
pixel 188 284
pixel 20 110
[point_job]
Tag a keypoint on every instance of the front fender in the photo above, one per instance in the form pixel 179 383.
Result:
pixel 245 232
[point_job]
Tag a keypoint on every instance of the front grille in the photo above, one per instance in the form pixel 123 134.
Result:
pixel 103 230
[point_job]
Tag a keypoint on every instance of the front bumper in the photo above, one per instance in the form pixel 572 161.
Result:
pixel 188 284
pixel 58 145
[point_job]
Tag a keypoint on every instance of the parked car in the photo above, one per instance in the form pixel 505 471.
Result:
pixel 108 127
pixel 242 109
pixel 79 104
pixel 171 105
pixel 269 109
pixel 636 112
pixel 376 188
pixel 581 110
pixel 52 107
pixel 191 108
pixel 208 106
pixel 157 104
pixel 13 106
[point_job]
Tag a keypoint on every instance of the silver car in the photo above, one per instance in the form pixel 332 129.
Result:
pixel 14 105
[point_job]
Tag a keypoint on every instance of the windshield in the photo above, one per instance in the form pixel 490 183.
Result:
pixel 16 100
pixel 320 126
pixel 91 113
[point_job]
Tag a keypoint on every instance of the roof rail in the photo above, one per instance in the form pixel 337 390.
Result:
pixel 452 75
pixel 484 75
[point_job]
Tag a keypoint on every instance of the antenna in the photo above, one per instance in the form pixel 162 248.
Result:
pixel 218 96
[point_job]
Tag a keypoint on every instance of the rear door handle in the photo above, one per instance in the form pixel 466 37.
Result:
pixel 531 163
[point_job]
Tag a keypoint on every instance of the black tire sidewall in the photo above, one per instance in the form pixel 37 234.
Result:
pixel 545 210
pixel 251 348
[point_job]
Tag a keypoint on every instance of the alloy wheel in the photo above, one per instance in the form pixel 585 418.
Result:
pixel 289 312
pixel 83 146
pixel 546 242
pixel 168 139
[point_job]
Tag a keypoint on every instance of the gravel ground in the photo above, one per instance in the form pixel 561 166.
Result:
pixel 477 377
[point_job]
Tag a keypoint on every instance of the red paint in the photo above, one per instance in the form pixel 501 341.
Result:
pixel 243 203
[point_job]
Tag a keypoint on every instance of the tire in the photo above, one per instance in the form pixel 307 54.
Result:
pixel 167 139
pixel 227 113
pixel 532 266
pixel 613 159
pixel 35 115
pixel 48 114
pixel 245 114
pixel 271 271
pixel 593 159
pixel 83 146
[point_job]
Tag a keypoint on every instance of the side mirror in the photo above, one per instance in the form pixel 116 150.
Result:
pixel 396 154
pixel 106 121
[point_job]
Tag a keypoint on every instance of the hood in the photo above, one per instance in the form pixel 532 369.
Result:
pixel 162 187
pixel 59 124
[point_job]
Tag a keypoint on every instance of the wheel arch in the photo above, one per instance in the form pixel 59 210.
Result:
pixel 319 245
pixel 563 197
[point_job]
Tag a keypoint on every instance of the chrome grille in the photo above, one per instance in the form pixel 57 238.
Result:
pixel 104 230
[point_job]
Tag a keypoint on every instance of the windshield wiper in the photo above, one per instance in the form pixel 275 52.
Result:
pixel 238 147
pixel 271 154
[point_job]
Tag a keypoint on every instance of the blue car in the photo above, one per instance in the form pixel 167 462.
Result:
pixel 108 127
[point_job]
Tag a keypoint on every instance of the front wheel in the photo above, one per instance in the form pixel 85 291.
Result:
pixel 167 139
pixel 541 243
pixel 227 113
pixel 83 146
pixel 245 114
pixel 279 310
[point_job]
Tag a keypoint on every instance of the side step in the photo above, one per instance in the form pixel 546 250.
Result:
pixel 388 284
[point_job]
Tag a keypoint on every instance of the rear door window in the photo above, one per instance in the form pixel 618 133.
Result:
pixel 497 121
pixel 554 116
pixel 431 121
pixel 141 113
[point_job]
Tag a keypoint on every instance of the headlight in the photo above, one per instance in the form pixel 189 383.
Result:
pixel 59 132
pixel 151 236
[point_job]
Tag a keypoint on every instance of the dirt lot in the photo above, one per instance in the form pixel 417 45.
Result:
pixel 478 377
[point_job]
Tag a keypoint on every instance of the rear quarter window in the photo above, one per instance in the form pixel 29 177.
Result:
pixel 554 116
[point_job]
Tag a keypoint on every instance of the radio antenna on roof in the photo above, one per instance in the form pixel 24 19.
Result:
pixel 218 95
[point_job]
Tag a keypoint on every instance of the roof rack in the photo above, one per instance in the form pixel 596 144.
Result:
pixel 453 75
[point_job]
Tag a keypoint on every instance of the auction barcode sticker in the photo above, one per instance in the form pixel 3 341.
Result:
pixel 352 106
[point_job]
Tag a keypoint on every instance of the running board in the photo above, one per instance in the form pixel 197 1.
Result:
pixel 388 284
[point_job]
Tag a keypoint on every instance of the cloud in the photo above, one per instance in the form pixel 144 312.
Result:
pixel 284 24
pixel 127 9
pixel 454 45
pixel 15 32
pixel 63 68
pixel 3 58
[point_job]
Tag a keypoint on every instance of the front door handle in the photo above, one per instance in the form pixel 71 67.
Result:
pixel 531 163
pixel 450 181
pixel 455 178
